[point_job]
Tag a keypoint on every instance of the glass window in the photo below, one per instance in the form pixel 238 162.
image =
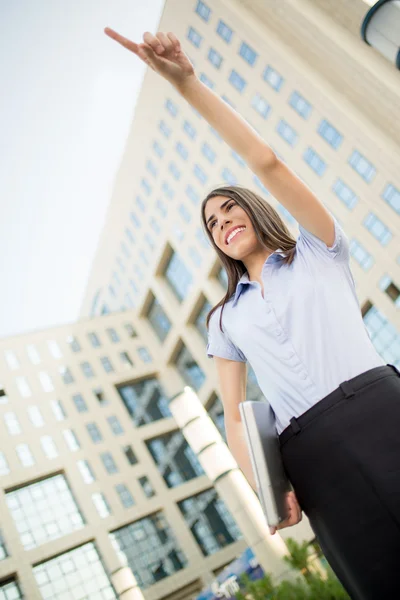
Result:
pixel 4 468
pixel 3 552
pixel 228 176
pixel 44 511
pixel 108 462
pixel 159 320
pixel 391 195
pixel 192 194
pixel 101 396
pixel 107 366
pixel 317 164
pixel 35 416
pixel 58 410
pixel 224 31
pixel 12 360
pixel 189 130
pixel 165 130
pixel 73 343
pixel 71 440
pixel 158 149
pixel 210 522
pixel 101 504
pixel 46 381
pixel 184 213
pixel 215 58
pixel 330 134
pixel 86 471
pixel 87 369
pixel 115 425
pixel 195 256
pixel 144 354
pixel 48 446
pixel 12 423
pixel 146 486
pixel 182 150
pixel 362 166
pixel 377 228
pixel 125 496
pixel 66 375
pixel 78 573
pixel 189 370
pixel 173 169
pixel 203 11
pixel 130 235
pixel 152 169
pixel 150 549
pixel 126 359
pixel 23 387
pixel 384 336
pixel 238 158
pixel 162 208
pixel 171 107
pixel 94 432
pixel 202 238
pixel 194 37
pixel 208 152
pixel 135 220
pixel 25 455
pixel 33 354
pixel 178 277
pixel 300 105
pixel 237 81
pixel 130 455
pixel 3 396
pixel 79 402
pixel 387 285
pixel 54 349
pixel 10 590
pixel 157 230
pixel 200 321
pixel 261 105
pixel 200 174
pixel 113 335
pixel 207 81
pixel 130 331
pixel 274 78
pixel 287 132
pixel 249 55
pixel 344 193
pixel 146 186
pixel 145 401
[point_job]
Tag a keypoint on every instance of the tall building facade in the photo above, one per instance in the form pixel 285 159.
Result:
pixel 95 474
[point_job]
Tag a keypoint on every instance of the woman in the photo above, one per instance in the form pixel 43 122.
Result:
pixel 291 311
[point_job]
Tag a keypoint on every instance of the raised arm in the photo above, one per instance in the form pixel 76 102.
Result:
pixel 163 54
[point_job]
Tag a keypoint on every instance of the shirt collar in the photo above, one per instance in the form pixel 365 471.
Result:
pixel 244 280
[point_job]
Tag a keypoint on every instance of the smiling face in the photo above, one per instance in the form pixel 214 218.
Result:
pixel 230 227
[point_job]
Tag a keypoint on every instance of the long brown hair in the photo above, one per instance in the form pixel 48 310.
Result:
pixel 270 230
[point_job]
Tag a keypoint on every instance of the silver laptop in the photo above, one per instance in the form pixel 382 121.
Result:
pixel 262 441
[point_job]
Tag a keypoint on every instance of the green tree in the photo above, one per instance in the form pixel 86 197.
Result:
pixel 299 557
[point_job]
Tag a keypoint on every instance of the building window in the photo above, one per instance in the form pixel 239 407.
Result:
pixel 71 440
pixel 330 134
pixel 272 77
pixel 25 455
pixel 384 336
pixel 23 387
pixel 182 150
pixel 202 239
pixel 3 396
pixel 3 552
pixel 174 458
pixel 94 340
pixel 178 277
pixel 133 542
pixel 144 354
pixel 215 58
pixel 300 105
pixel 94 432
pixel 249 55
pixel 171 107
pixel 194 37
pixel 200 174
pixel 287 132
pixel 125 496
pixel 146 186
pixel 158 319
pixel 165 130
pixel 142 206
pixel 48 446
pixel 158 149
pixel 390 288
pixel 210 522
pixel 33 354
pixel 101 505
pixel 46 381
pixel 192 194
pixel 115 425
pixel 113 335
pixel 79 402
pixel 189 130
pixel 10 590
pixel 4 468
pixel 54 349
pixel 35 416
pixel 207 81
pixel 224 31
pixel 108 462
pixel 107 366
pixel 146 486
pixel 44 511
pixel 345 194
pixel 173 169
pixel 184 213
pixel 126 359
pixel 391 195
pixel 12 423
pixel 208 152
pixel 73 344
pixel 87 369
pixel 317 164
pixel 130 455
pixel 130 331
pixel 237 81
pixel 200 321
pixel 86 471
pixel 195 256
pixel 78 573
pixel 261 105
pixel 203 11
pixel 362 166
pixel 378 229
pixel 58 410
pixel 145 401
pixel 189 370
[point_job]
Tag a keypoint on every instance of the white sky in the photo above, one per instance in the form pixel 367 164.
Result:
pixel 66 104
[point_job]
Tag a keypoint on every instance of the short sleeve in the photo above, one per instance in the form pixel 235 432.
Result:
pixel 218 342
pixel 338 252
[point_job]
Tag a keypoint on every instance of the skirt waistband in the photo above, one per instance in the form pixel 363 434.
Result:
pixel 347 389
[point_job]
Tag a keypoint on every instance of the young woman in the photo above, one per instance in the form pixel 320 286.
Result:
pixel 291 311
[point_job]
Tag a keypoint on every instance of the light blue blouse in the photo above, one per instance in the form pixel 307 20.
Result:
pixel 306 336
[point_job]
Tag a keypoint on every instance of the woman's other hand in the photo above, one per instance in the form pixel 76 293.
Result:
pixel 162 53
pixel 294 513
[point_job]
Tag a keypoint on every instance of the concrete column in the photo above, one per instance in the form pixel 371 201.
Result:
pixel 125 584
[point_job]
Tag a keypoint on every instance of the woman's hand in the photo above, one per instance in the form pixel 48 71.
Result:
pixel 294 513
pixel 162 53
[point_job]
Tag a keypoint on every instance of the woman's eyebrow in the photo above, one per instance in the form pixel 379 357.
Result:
pixel 221 207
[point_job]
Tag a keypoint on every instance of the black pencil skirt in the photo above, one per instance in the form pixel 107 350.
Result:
pixel 343 459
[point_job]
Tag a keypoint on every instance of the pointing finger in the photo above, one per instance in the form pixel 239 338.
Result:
pixel 121 40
